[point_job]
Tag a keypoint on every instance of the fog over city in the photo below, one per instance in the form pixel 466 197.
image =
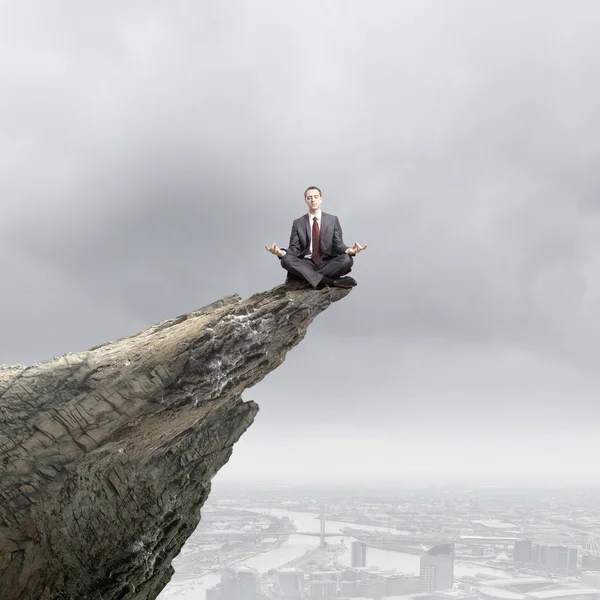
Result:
pixel 149 151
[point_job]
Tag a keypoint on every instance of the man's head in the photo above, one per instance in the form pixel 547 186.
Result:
pixel 313 198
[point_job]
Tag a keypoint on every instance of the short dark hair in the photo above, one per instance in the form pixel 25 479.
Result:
pixel 313 187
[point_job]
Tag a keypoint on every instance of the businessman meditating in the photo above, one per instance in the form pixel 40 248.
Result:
pixel 316 252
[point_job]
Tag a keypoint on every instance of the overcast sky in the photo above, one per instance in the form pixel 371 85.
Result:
pixel 149 151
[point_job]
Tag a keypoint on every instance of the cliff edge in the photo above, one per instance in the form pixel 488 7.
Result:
pixel 106 456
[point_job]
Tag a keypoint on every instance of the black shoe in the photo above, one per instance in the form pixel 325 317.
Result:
pixel 326 282
pixel 345 282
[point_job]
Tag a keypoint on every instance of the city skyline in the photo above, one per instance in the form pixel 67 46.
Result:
pixel 414 544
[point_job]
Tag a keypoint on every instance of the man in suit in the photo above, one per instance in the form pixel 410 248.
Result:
pixel 316 252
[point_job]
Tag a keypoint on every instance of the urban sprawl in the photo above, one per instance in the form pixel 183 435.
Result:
pixel 475 544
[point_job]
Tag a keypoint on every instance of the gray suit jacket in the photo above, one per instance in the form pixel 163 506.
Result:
pixel 332 243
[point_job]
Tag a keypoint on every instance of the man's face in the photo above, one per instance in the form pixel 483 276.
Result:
pixel 313 200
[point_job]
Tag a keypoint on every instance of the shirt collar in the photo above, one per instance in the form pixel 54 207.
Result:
pixel 318 215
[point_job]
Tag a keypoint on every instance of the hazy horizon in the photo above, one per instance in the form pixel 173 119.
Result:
pixel 472 458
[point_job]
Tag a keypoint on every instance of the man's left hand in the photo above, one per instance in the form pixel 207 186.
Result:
pixel 355 249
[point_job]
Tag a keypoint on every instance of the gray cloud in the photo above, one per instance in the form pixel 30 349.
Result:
pixel 149 152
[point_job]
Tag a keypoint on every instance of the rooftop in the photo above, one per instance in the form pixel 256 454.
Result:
pixel 564 592
pixel 498 592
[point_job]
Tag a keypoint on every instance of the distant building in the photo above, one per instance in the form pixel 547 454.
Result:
pixel 236 584
pixel 322 589
pixel 437 568
pixel 325 576
pixel 374 588
pixel 570 565
pixel 553 557
pixel 351 575
pixel 560 559
pixel 591 579
pixel 213 593
pixel 315 589
pixel 358 554
pixel 291 583
pixel 542 554
pixel 590 562
pixel 527 589
pixel 247 580
pixel 399 585
pixel 522 551
pixel 349 589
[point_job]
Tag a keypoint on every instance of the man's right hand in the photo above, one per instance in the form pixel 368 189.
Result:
pixel 274 249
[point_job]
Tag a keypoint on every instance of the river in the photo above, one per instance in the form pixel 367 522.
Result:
pixel 297 545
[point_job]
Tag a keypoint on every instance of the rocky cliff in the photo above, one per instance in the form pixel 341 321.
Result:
pixel 106 456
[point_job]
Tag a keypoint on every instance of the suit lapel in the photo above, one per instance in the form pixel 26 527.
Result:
pixel 308 236
pixel 325 231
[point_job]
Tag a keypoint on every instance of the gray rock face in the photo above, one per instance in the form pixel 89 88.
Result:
pixel 106 456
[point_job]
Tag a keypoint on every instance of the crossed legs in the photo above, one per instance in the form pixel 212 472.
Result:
pixel 305 269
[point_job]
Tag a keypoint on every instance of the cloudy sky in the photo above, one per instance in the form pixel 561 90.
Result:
pixel 149 151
